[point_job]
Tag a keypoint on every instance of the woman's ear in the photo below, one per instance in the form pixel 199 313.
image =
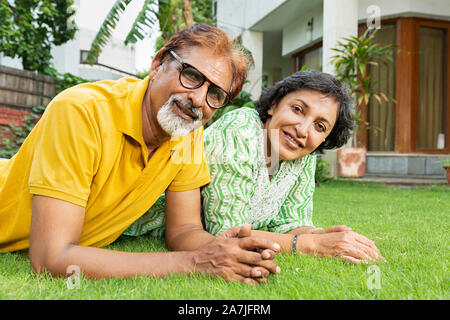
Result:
pixel 270 111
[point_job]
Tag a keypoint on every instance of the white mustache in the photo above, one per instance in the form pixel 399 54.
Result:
pixel 173 124
pixel 188 105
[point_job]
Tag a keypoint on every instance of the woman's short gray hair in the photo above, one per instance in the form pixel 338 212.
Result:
pixel 318 81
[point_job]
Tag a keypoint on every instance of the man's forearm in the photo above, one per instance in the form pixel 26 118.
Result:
pixel 99 263
pixel 189 239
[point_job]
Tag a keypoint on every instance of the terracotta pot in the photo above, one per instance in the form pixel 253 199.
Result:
pixel 351 162
pixel 447 168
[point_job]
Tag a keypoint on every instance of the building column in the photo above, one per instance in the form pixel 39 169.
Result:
pixel 340 20
pixel 253 41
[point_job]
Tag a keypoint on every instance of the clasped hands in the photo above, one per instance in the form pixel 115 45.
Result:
pixel 237 256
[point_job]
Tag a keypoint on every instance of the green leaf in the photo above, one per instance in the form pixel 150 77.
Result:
pixel 145 20
pixel 105 31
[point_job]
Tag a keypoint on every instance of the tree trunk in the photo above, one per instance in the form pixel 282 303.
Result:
pixel 187 13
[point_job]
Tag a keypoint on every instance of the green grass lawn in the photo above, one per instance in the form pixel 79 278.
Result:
pixel 409 225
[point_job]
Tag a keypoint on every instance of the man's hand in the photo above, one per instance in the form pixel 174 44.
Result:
pixel 235 256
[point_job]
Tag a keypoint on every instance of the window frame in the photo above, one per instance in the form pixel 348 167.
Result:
pixel 305 51
pixel 407 84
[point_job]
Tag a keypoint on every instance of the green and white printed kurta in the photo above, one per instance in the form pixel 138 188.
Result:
pixel 240 191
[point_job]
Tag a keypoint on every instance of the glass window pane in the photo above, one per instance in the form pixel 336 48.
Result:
pixel 312 60
pixel 431 109
pixel 381 136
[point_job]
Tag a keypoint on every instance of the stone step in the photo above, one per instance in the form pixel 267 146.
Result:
pixel 400 179
pixel 405 164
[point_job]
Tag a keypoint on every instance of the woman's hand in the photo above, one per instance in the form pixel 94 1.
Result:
pixel 347 245
pixel 339 228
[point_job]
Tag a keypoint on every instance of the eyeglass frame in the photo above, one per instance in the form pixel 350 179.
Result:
pixel 187 65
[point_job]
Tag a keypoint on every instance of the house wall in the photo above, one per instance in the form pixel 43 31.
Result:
pixel 10 62
pixel 237 15
pixel 333 20
pixel 295 34
pixel 66 58
pixel 114 54
pixel 438 9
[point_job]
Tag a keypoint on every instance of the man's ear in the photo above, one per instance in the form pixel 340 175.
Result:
pixel 156 64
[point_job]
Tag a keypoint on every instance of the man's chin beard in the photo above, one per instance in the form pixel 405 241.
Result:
pixel 173 124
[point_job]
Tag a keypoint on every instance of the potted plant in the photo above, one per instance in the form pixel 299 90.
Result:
pixel 354 56
pixel 445 162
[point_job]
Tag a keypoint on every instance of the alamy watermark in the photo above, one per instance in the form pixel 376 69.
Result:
pixel 374 280
pixel 74 280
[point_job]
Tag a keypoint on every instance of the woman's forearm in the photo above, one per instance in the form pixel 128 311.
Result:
pixel 301 230
pixel 304 243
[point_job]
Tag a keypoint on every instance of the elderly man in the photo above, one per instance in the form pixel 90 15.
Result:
pixel 104 152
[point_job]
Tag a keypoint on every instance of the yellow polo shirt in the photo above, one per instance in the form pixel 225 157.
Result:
pixel 88 149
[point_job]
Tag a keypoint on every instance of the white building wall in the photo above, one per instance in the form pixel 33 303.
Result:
pixel 114 54
pixel 437 9
pixel 10 62
pixel 238 15
pixel 66 57
pixel 253 41
pixel 334 12
pixel 295 34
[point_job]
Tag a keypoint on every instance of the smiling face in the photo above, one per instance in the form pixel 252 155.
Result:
pixel 180 110
pixel 303 119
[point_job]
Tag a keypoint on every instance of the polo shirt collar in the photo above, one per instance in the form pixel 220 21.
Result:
pixel 129 120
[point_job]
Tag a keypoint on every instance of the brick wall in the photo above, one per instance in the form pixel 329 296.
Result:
pixel 21 90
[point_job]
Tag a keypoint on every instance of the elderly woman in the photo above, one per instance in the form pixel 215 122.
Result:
pixel 262 164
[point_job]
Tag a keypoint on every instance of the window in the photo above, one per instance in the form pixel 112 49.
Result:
pixel 214 13
pixel 310 58
pixel 419 120
pixel 431 112
pixel 381 114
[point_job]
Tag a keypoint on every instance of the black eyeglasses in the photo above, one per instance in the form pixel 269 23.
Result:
pixel 191 78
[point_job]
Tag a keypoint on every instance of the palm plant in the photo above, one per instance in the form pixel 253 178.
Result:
pixel 163 13
pixel 355 55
